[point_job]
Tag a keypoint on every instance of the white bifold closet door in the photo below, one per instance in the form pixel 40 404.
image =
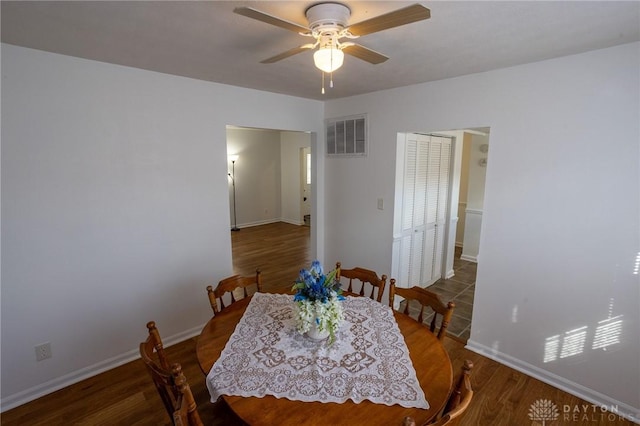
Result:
pixel 424 208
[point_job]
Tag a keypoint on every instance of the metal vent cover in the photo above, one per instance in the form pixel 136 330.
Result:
pixel 347 136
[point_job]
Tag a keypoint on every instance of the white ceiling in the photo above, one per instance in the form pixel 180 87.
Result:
pixel 207 41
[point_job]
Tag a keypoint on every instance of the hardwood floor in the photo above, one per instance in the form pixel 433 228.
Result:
pixel 126 395
pixel 279 249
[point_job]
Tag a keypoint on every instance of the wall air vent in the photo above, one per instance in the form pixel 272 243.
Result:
pixel 347 136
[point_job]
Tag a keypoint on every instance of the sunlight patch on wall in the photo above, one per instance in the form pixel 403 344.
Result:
pixel 608 330
pixel 573 342
pixel 607 333
pixel 551 348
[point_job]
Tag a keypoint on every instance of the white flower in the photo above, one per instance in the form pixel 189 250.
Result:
pixel 328 315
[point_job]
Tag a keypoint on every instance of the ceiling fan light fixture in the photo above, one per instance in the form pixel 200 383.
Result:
pixel 328 59
pixel 328 24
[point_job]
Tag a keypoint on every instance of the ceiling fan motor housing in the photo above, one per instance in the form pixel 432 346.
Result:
pixel 328 18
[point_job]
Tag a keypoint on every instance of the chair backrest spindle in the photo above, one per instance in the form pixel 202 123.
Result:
pixel 425 298
pixel 229 285
pixel 169 380
pixel 366 279
pixel 186 409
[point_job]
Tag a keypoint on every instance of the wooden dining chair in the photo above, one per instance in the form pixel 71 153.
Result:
pixel 366 279
pixel 426 299
pixel 155 360
pixel 186 409
pixel 169 380
pixel 230 285
pixel 457 403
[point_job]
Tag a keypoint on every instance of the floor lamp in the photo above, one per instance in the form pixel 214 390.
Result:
pixel 232 175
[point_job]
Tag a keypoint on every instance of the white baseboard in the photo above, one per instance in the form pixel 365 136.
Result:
pixel 292 222
pixel 257 223
pixel 624 410
pixel 451 273
pixel 469 258
pixel 61 382
pixel 268 221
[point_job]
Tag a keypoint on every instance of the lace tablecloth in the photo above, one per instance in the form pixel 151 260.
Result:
pixel 265 355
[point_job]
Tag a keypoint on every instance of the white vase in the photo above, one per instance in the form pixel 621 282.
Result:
pixel 315 333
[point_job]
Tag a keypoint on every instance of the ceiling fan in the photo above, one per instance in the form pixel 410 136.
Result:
pixel 328 24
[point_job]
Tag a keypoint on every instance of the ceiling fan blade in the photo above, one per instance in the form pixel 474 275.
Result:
pixel 407 15
pixel 365 53
pixel 269 19
pixel 288 53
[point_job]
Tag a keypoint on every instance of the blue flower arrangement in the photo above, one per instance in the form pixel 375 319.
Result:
pixel 317 298
pixel 313 285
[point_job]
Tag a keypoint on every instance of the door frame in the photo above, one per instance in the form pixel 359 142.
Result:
pixel 304 173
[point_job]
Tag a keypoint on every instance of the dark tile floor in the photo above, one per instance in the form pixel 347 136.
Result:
pixel 460 290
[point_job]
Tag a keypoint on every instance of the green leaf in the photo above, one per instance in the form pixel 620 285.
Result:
pixel 331 277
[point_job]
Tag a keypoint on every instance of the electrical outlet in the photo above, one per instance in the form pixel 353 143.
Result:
pixel 43 351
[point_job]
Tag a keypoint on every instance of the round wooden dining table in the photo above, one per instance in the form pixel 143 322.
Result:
pixel 428 355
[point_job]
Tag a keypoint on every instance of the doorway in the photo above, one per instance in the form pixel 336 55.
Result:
pixel 268 176
pixel 305 185
pixel 458 201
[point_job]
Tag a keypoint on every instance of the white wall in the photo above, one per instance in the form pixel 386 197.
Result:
pixel 114 208
pixel 258 175
pixel 464 185
pixel 477 173
pixel 291 185
pixel 564 139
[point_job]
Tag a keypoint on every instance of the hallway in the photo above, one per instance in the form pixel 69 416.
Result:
pixel 459 289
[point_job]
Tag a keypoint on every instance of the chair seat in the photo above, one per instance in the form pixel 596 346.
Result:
pixel 457 403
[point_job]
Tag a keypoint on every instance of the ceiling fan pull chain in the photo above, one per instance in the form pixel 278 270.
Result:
pixel 331 74
pixel 323 82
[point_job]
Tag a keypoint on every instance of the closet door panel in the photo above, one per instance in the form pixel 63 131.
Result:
pixel 424 208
